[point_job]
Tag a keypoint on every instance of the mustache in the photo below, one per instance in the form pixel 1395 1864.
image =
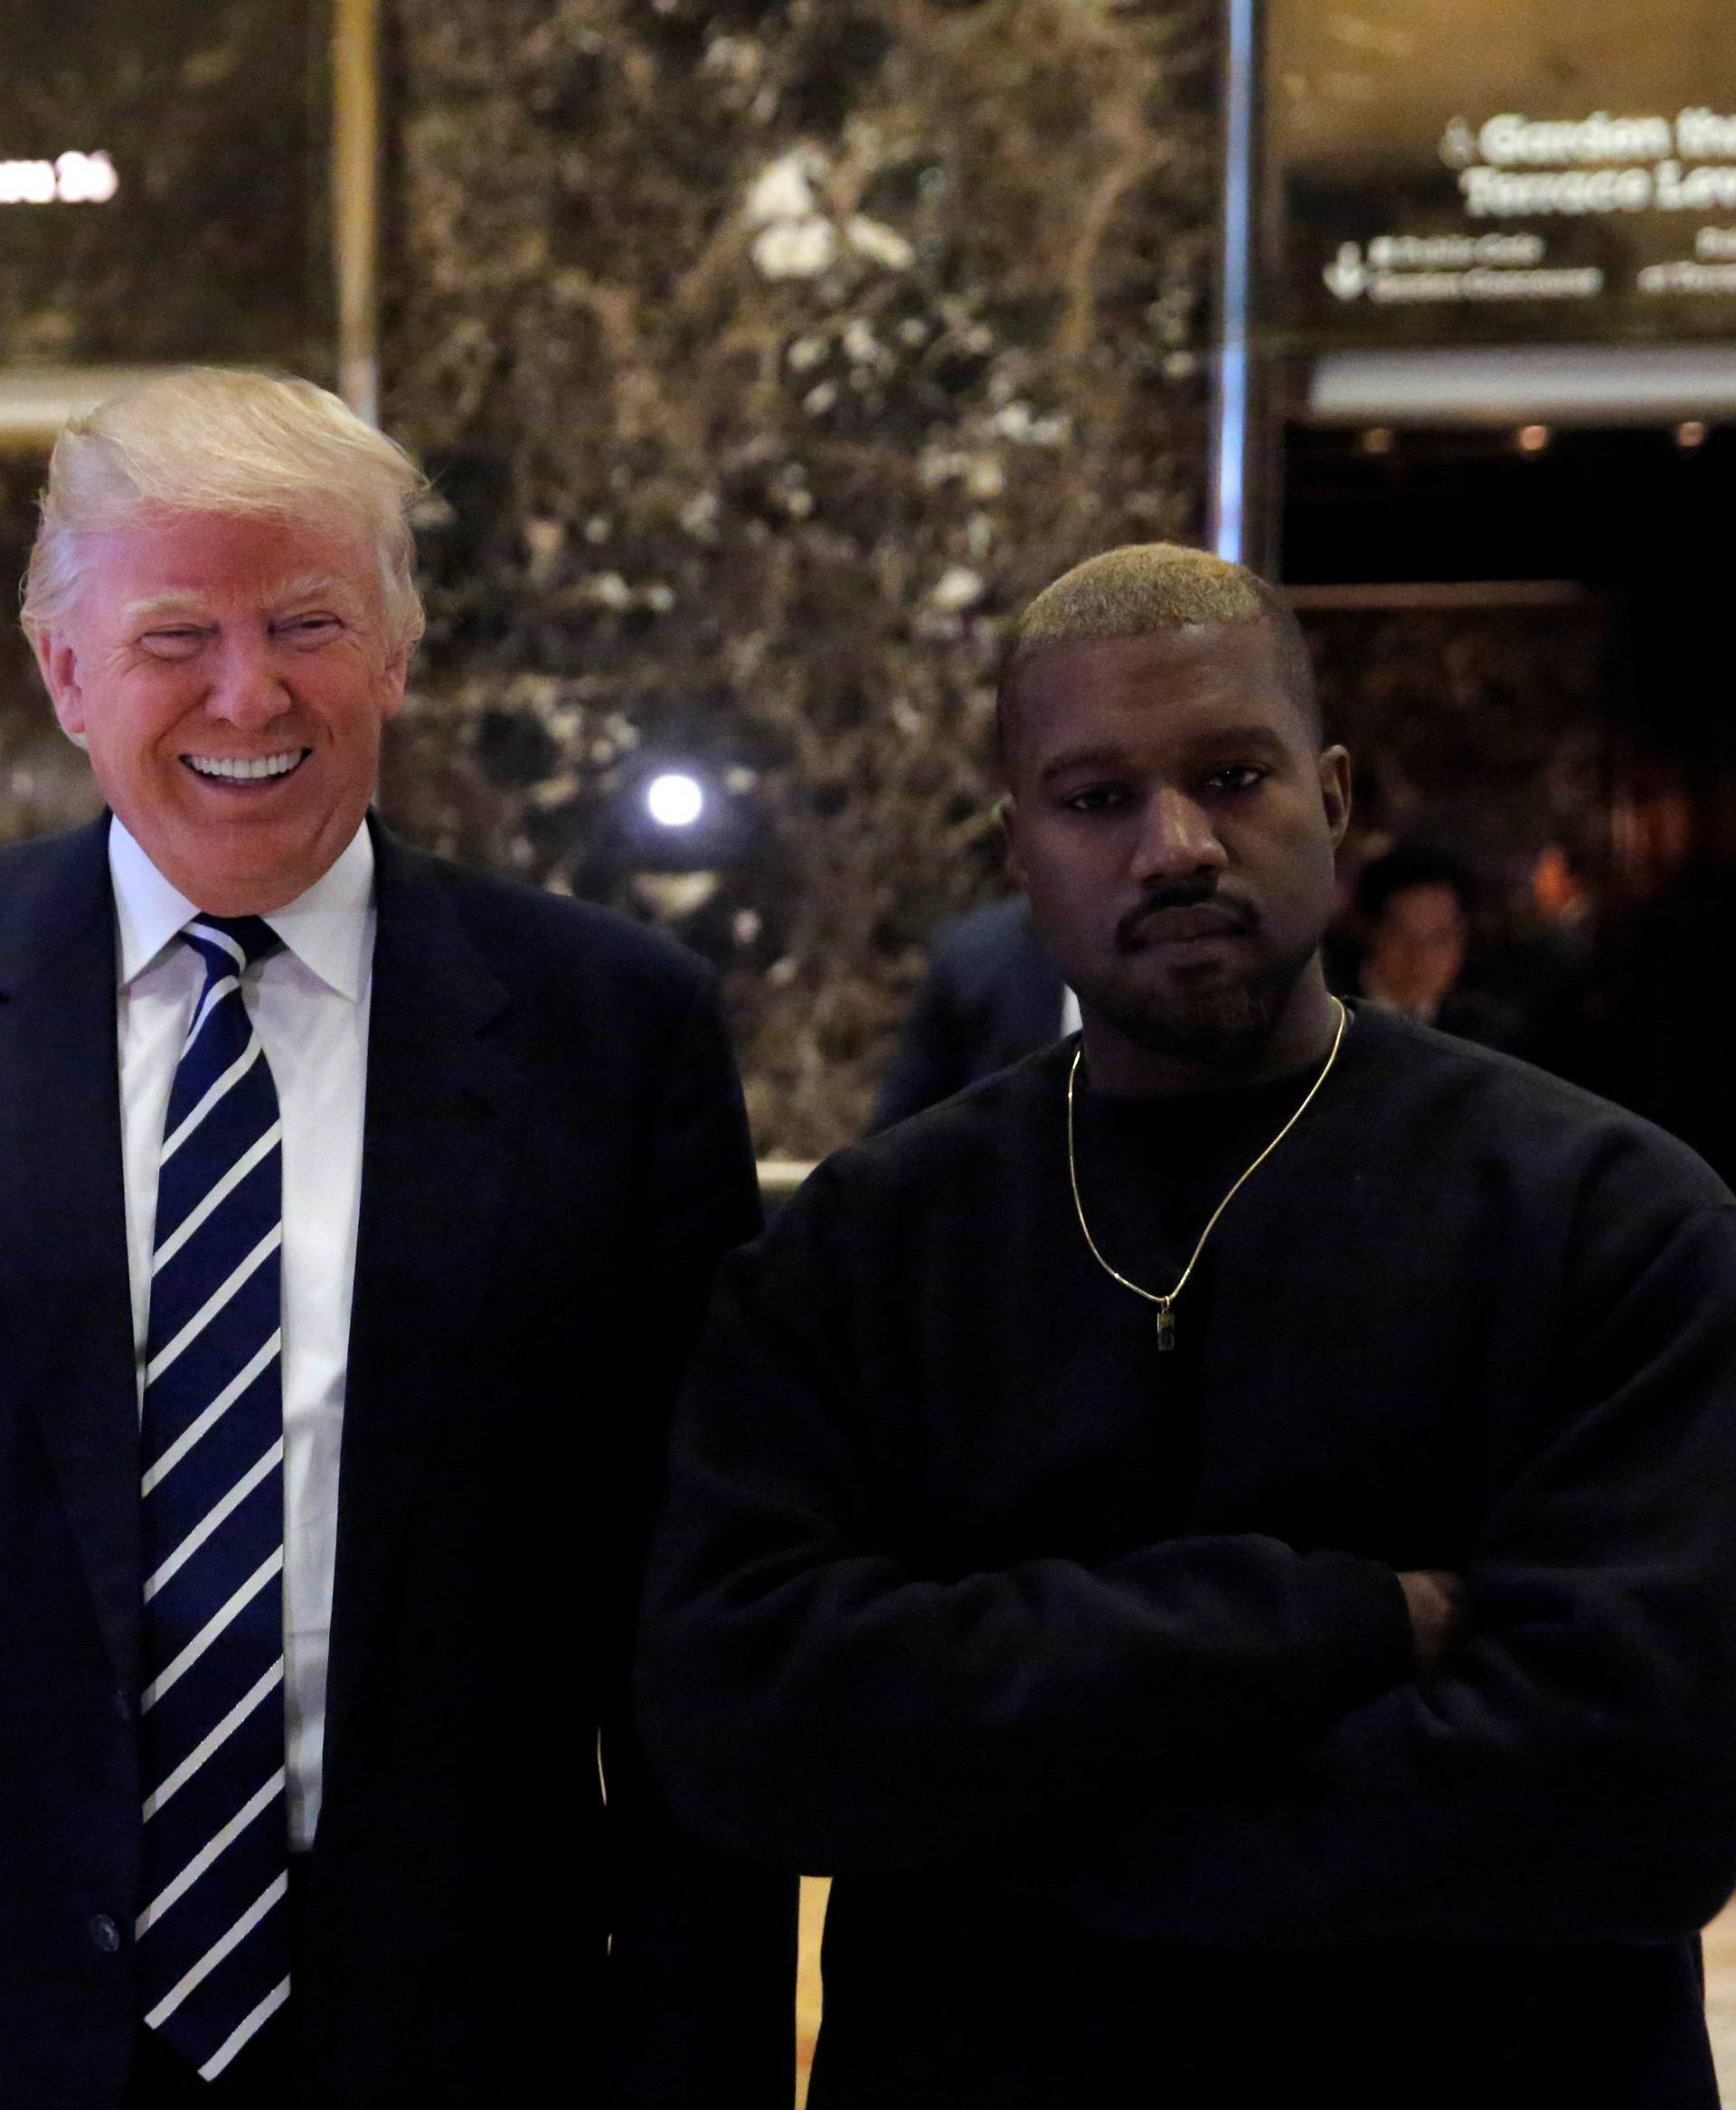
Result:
pixel 1184 912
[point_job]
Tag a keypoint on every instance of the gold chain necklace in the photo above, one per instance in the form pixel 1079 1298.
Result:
pixel 1166 1305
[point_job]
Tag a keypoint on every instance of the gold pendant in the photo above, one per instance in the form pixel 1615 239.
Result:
pixel 1165 1326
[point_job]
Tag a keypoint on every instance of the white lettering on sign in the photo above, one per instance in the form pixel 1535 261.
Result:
pixel 1699 190
pixel 1432 270
pixel 1703 135
pixel 69 179
pixel 1514 167
pixel 1509 141
pixel 1442 252
pixel 1584 282
pixel 1686 276
pixel 1499 192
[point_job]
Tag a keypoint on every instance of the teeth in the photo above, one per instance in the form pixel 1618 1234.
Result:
pixel 240 771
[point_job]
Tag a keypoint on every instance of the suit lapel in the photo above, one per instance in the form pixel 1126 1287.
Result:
pixel 438 1138
pixel 65 1304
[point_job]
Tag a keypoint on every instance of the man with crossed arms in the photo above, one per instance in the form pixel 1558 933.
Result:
pixel 1221 1538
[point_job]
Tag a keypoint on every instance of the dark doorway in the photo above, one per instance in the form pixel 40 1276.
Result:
pixel 1522 635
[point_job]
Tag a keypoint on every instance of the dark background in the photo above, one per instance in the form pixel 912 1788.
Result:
pixel 214 113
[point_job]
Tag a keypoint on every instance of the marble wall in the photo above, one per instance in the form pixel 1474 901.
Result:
pixel 1480 728
pixel 44 781
pixel 768 353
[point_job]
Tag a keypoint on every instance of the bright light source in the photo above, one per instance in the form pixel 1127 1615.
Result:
pixel 674 801
pixel 1690 435
pixel 1533 438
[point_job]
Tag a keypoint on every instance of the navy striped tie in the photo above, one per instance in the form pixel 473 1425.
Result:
pixel 214 1951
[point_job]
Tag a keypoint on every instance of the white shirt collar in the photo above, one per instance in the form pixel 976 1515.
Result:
pixel 329 929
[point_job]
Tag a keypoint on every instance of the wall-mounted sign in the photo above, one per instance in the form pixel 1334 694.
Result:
pixel 182 180
pixel 1479 173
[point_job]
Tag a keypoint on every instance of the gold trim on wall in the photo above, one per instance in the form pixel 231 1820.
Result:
pixel 35 401
pixel 355 200
pixel 1433 595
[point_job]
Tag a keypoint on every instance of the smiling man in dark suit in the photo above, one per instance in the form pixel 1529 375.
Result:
pixel 355 1217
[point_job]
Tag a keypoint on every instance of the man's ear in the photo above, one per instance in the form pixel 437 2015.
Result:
pixel 397 675
pixel 1335 790
pixel 59 665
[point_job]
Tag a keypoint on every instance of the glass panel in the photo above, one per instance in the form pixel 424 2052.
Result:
pixel 1487 172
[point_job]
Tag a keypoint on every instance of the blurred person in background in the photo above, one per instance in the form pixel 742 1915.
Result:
pixel 991 994
pixel 1412 912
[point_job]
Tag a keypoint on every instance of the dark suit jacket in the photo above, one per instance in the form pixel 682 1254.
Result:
pixel 992 995
pixel 554 1157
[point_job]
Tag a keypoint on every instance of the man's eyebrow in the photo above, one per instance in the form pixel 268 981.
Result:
pixel 1217 740
pixel 179 603
pixel 1242 735
pixel 309 586
pixel 1084 759
pixel 156 607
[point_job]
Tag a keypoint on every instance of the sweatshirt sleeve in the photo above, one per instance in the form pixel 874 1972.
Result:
pixel 1571 1774
pixel 807 1698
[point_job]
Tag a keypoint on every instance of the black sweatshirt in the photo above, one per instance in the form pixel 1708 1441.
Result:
pixel 1090 1661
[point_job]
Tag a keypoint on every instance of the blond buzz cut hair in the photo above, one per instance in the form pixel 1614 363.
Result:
pixel 1143 588
pixel 207 439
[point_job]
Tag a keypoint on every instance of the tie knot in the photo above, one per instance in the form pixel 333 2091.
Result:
pixel 231 944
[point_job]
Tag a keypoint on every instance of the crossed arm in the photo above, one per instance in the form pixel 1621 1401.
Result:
pixel 807 1700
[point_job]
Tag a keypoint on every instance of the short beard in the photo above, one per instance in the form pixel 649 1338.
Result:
pixel 1222 1026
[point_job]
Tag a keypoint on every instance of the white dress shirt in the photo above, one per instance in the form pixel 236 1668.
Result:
pixel 310 1004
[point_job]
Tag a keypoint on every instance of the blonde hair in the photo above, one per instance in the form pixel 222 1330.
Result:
pixel 203 439
pixel 1144 587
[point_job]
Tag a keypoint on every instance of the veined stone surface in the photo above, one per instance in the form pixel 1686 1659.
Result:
pixel 44 781
pixel 769 355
